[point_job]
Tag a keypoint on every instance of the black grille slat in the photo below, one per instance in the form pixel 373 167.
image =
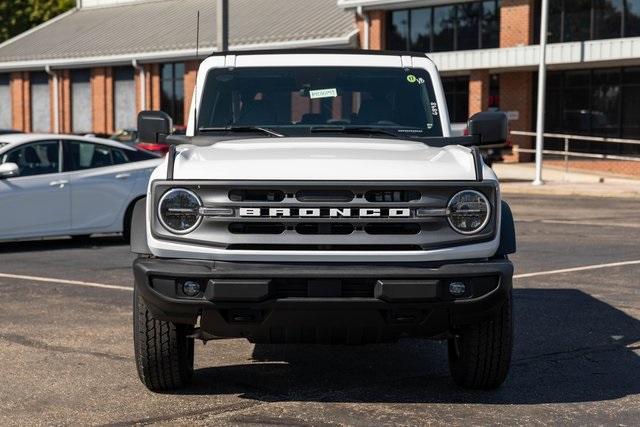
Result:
pixel 302 288
pixel 314 196
pixel 256 228
pixel 392 229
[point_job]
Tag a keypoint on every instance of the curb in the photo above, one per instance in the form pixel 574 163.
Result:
pixel 570 190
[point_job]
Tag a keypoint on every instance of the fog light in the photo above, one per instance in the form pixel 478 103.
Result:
pixel 191 289
pixel 457 288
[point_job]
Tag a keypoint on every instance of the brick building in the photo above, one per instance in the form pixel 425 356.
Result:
pixel 93 68
pixel 487 51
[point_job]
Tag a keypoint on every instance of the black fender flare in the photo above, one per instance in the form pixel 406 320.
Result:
pixel 507 232
pixel 139 228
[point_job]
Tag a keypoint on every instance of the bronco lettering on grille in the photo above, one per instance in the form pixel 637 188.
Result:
pixel 326 212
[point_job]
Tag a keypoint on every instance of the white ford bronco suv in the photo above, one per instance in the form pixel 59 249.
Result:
pixel 318 197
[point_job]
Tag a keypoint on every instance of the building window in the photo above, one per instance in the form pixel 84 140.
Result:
pixel 461 26
pixel 172 94
pixel 494 92
pixel 124 98
pixel 40 102
pixel 5 102
pixel 602 102
pixel 579 20
pixel 456 91
pixel 81 111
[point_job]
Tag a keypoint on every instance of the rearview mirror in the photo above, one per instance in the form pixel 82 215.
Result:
pixel 489 127
pixel 8 170
pixel 154 126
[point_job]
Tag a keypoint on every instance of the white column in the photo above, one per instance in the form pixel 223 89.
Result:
pixel 542 90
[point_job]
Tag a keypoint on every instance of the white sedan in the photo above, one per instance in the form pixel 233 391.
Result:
pixel 61 185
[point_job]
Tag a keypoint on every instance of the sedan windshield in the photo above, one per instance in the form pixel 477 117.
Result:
pixel 300 100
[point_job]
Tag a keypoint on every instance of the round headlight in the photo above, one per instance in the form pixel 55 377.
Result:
pixel 179 211
pixel 469 212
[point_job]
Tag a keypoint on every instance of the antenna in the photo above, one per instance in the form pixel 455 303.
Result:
pixel 195 87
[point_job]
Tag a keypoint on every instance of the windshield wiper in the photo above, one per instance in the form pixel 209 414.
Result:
pixel 355 129
pixel 241 129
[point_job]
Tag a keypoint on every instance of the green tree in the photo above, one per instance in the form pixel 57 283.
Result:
pixel 17 16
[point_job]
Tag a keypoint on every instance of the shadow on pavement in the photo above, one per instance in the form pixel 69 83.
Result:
pixel 569 347
pixel 58 244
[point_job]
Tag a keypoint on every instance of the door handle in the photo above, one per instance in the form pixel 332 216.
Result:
pixel 123 175
pixel 60 183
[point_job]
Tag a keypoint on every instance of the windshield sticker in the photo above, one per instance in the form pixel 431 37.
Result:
pixel 411 78
pixel 323 93
pixel 434 109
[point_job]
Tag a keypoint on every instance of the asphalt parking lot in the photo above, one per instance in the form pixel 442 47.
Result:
pixel 66 343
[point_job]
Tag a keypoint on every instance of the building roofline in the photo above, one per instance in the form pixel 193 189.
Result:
pixel 173 55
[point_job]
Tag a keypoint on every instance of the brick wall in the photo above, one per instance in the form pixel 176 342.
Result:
pixel 102 99
pixel 516 22
pixel 516 94
pixel 153 88
pixel 191 71
pixel 21 101
pixel 377 20
pixel 516 88
pixel 478 91
pixel 65 101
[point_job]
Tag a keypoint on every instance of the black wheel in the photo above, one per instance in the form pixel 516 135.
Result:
pixel 163 352
pixel 126 225
pixel 480 355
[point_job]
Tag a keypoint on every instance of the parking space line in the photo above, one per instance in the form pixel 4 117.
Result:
pixel 65 282
pixel 130 289
pixel 570 270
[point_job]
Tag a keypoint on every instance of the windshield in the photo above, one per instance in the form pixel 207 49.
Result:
pixel 295 100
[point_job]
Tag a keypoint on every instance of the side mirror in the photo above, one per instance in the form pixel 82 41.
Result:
pixel 154 126
pixel 489 127
pixel 8 170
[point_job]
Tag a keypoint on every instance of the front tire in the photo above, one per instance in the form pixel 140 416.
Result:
pixel 163 351
pixel 480 355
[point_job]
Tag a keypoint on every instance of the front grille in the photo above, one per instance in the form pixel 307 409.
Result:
pixel 317 216
pixel 303 288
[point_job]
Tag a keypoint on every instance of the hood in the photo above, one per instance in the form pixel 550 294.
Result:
pixel 350 159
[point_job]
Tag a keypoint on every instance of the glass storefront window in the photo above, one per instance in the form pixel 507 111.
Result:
pixel 444 18
pixel 490 24
pixel 607 19
pixel 468 25
pixel 601 102
pixel 421 30
pixel 460 26
pixel 172 93
pixel 579 20
pixel 632 18
pixel 397 34
pixel 631 103
pixel 456 91
pixel 577 14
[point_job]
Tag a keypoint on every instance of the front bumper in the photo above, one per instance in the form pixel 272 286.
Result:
pixel 329 303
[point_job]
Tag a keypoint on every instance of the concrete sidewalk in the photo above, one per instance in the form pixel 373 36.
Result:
pixel 516 178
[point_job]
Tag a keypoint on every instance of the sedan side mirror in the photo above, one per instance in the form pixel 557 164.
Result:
pixel 8 170
pixel 489 127
pixel 154 126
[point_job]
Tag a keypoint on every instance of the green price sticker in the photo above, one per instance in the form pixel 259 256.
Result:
pixel 411 78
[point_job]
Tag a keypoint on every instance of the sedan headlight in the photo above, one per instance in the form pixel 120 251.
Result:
pixel 179 211
pixel 468 212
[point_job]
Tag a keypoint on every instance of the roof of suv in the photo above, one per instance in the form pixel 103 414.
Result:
pixel 320 51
